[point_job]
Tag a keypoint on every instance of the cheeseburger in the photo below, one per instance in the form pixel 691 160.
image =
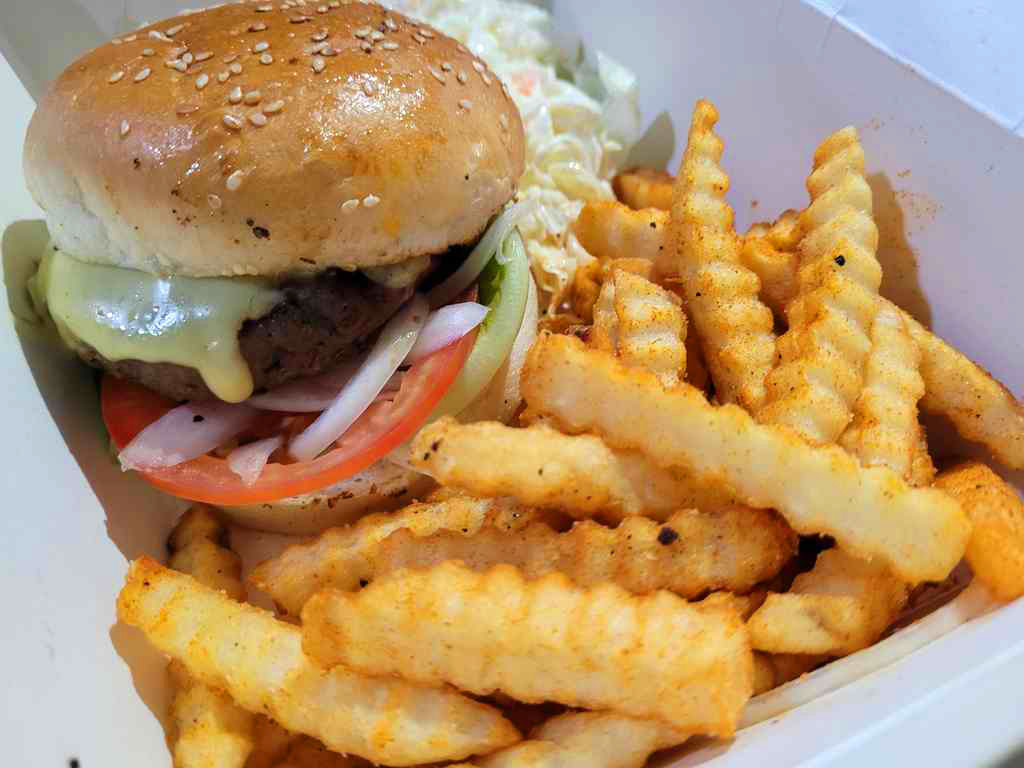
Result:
pixel 283 233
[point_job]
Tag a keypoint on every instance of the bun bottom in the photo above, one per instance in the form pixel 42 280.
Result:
pixel 382 487
pixel 385 486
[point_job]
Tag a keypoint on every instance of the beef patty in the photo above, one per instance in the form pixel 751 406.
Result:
pixel 319 322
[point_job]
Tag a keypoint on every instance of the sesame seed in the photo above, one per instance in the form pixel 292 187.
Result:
pixel 174 30
pixel 318 64
pixel 446 66
pixel 235 96
pixel 273 107
pixel 478 66
pixel 264 8
pixel 462 48
pixel 503 120
pixel 235 69
pixel 321 9
pixel 156 36
pixel 202 81
pixel 229 58
pixel 222 77
pixel 232 122
pixel 148 52
pixel 362 32
pixel 117 41
pixel 504 89
pixel 368 89
pixel 234 181
pixel 258 119
pixel 178 64
pixel 389 45
pixel 390 24
pixel 204 56
pixel 466 104
pixel 367 47
pixel 437 75
pixel 486 78
pixel 116 76
pixel 334 4
pixel 266 58
pixel 349 205
pixel 177 50
pixel 298 19
pixel 188 58
pixel 260 46
pixel 259 26
pixel 419 38
pixel 252 98
pixel 186 109
pixel 461 77
pixel 370 200
pixel 319 37
pixel 376 35
pixel 214 201
pixel 133 38
pixel 426 33
pixel 125 127
pixel 326 50
pixel 141 75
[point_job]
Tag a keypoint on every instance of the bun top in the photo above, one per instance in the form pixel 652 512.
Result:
pixel 269 138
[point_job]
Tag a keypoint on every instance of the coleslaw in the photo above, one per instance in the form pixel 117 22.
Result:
pixel 580 120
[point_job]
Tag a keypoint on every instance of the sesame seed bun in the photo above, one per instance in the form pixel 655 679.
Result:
pixel 251 139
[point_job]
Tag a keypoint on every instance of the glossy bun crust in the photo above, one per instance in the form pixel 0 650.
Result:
pixel 256 139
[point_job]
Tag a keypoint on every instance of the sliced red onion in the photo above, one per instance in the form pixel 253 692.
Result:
pixel 392 347
pixel 310 395
pixel 482 253
pixel 446 326
pixel 247 461
pixel 185 433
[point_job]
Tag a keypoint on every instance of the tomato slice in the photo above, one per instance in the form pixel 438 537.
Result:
pixel 128 408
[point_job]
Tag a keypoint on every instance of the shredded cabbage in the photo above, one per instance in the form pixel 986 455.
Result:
pixel 578 131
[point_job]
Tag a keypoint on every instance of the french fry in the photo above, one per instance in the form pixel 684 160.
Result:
pixel 820 374
pixel 774 669
pixel 783 234
pixel 644 188
pixel 735 328
pixel 841 605
pixel 305 752
pixel 920 533
pixel 271 743
pixel 651 327
pixel 605 333
pixel 586 286
pixel 996 549
pixel 209 729
pixel 844 604
pixel 659 656
pixel 777 271
pixel 691 553
pixel 338 557
pixel 541 467
pixel 611 230
pixel 259 661
pixel 634 265
pixel 980 407
pixel 922 470
pixel 587 740
pixel 198 547
pixel 885 431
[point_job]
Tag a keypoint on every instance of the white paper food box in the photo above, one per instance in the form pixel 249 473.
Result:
pixel 946 160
